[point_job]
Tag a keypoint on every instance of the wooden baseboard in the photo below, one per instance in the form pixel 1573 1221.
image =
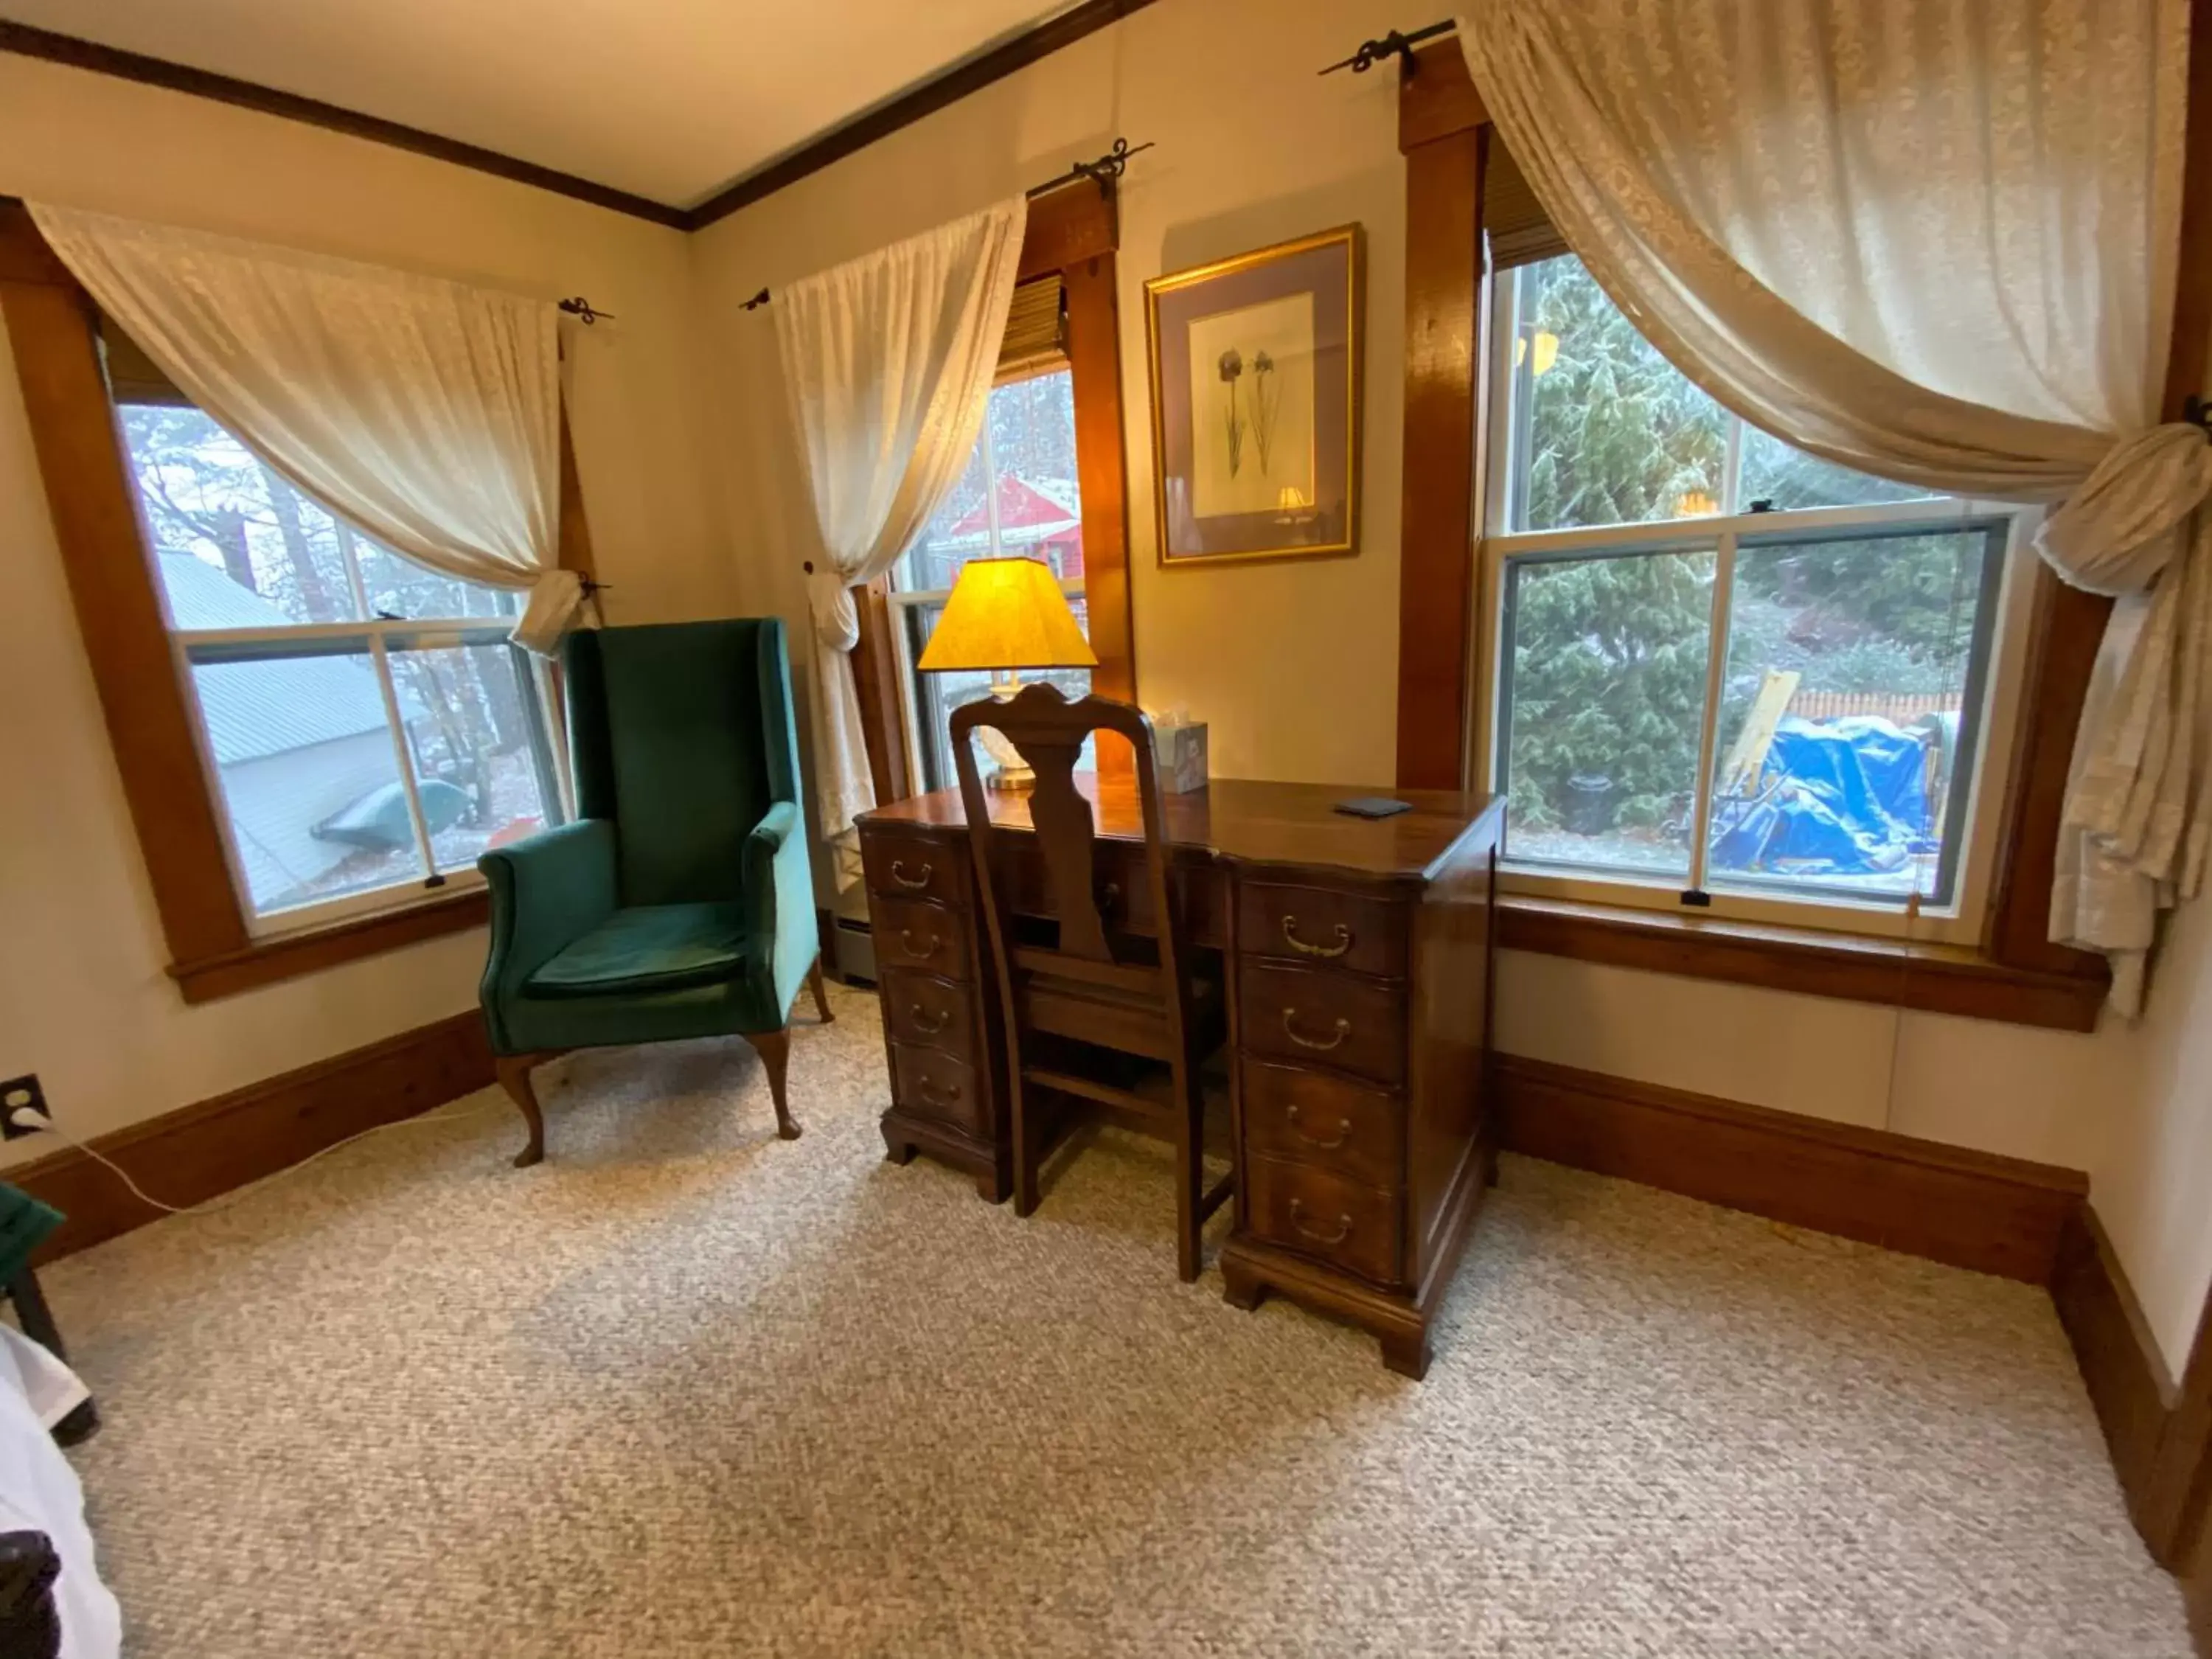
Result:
pixel 2196 1595
pixel 1996 1215
pixel 197 1152
pixel 2127 1381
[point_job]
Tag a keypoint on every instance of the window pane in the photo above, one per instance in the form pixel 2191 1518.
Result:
pixel 1603 702
pixel 1788 478
pixel 1605 430
pixel 959 530
pixel 1038 507
pixel 239 547
pixel 1847 717
pixel 1033 441
pixel 937 695
pixel 309 778
pixel 399 588
pixel 476 730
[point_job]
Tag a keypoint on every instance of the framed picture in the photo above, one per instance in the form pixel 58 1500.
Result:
pixel 1255 402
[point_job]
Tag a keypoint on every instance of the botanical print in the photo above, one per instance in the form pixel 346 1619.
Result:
pixel 1252 401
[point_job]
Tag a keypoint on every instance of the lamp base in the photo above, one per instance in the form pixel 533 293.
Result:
pixel 1014 773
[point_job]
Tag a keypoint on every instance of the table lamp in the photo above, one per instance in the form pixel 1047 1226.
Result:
pixel 1006 614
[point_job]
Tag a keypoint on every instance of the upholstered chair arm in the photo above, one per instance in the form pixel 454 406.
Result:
pixel 546 892
pixel 779 904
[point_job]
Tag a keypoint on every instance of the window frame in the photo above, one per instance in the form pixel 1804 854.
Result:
pixel 1499 548
pixel 905 601
pixel 153 727
pixel 2012 972
pixel 1074 230
pixel 383 638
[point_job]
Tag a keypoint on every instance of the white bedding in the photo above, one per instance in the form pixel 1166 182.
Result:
pixel 38 1490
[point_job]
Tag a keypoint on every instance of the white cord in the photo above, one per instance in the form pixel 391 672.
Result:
pixel 209 1206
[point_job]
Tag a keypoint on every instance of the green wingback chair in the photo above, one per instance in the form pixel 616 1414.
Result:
pixel 679 904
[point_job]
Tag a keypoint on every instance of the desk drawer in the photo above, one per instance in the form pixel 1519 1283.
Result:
pixel 1313 1018
pixel 900 866
pixel 923 1008
pixel 1322 1215
pixel 932 1084
pixel 1322 926
pixel 907 935
pixel 1313 1117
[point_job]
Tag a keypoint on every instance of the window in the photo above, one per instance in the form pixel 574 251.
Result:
pixel 369 728
pixel 1018 496
pixel 1729 675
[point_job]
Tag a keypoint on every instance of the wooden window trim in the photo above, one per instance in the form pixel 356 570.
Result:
pixel 1942 979
pixel 2016 974
pixel 1075 231
pixel 52 327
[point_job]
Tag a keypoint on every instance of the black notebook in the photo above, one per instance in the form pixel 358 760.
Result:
pixel 1373 806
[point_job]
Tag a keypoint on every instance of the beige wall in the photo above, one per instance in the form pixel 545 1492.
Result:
pixel 83 998
pixel 1293 665
pixel 699 508
pixel 2152 1179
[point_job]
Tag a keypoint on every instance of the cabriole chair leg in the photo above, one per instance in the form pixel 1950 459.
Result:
pixel 514 1073
pixel 774 1049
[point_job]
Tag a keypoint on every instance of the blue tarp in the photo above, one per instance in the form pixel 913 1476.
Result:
pixel 1837 797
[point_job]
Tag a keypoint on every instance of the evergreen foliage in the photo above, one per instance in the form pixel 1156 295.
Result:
pixel 1610 652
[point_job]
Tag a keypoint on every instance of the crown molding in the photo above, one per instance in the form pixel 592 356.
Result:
pixel 1002 60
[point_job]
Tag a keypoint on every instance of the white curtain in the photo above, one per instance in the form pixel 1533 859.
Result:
pixel 1934 240
pixel 426 412
pixel 888 360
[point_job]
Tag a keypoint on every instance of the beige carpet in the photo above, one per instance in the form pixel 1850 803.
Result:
pixel 686 1389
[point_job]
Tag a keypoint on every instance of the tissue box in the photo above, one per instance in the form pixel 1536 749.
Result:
pixel 1181 750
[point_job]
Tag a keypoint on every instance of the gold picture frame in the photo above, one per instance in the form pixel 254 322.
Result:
pixel 1256 365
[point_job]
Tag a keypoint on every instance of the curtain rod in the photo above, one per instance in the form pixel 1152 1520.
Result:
pixel 1102 172
pixel 1372 52
pixel 583 311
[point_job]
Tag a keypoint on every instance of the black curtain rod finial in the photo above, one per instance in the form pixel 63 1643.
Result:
pixel 1102 172
pixel 582 310
pixel 1396 44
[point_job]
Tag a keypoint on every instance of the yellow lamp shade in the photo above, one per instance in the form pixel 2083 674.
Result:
pixel 1007 613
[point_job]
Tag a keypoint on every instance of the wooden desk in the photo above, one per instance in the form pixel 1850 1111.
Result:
pixel 1359 960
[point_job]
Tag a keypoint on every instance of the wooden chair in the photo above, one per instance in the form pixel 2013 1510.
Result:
pixel 1091 985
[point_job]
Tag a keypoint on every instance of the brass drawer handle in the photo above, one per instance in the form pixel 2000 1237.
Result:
pixel 917 882
pixel 1326 951
pixel 924 1024
pixel 932 1096
pixel 1298 1220
pixel 1343 1131
pixel 905 938
pixel 1291 1030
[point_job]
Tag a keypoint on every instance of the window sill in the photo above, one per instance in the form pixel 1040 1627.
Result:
pixel 267 961
pixel 1941 978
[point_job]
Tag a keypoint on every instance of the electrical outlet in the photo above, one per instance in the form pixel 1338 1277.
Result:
pixel 16 1093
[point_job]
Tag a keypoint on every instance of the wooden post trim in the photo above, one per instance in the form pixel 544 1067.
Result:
pixel 1444 131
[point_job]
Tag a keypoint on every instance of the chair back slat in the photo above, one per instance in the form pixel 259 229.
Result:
pixel 1049 732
